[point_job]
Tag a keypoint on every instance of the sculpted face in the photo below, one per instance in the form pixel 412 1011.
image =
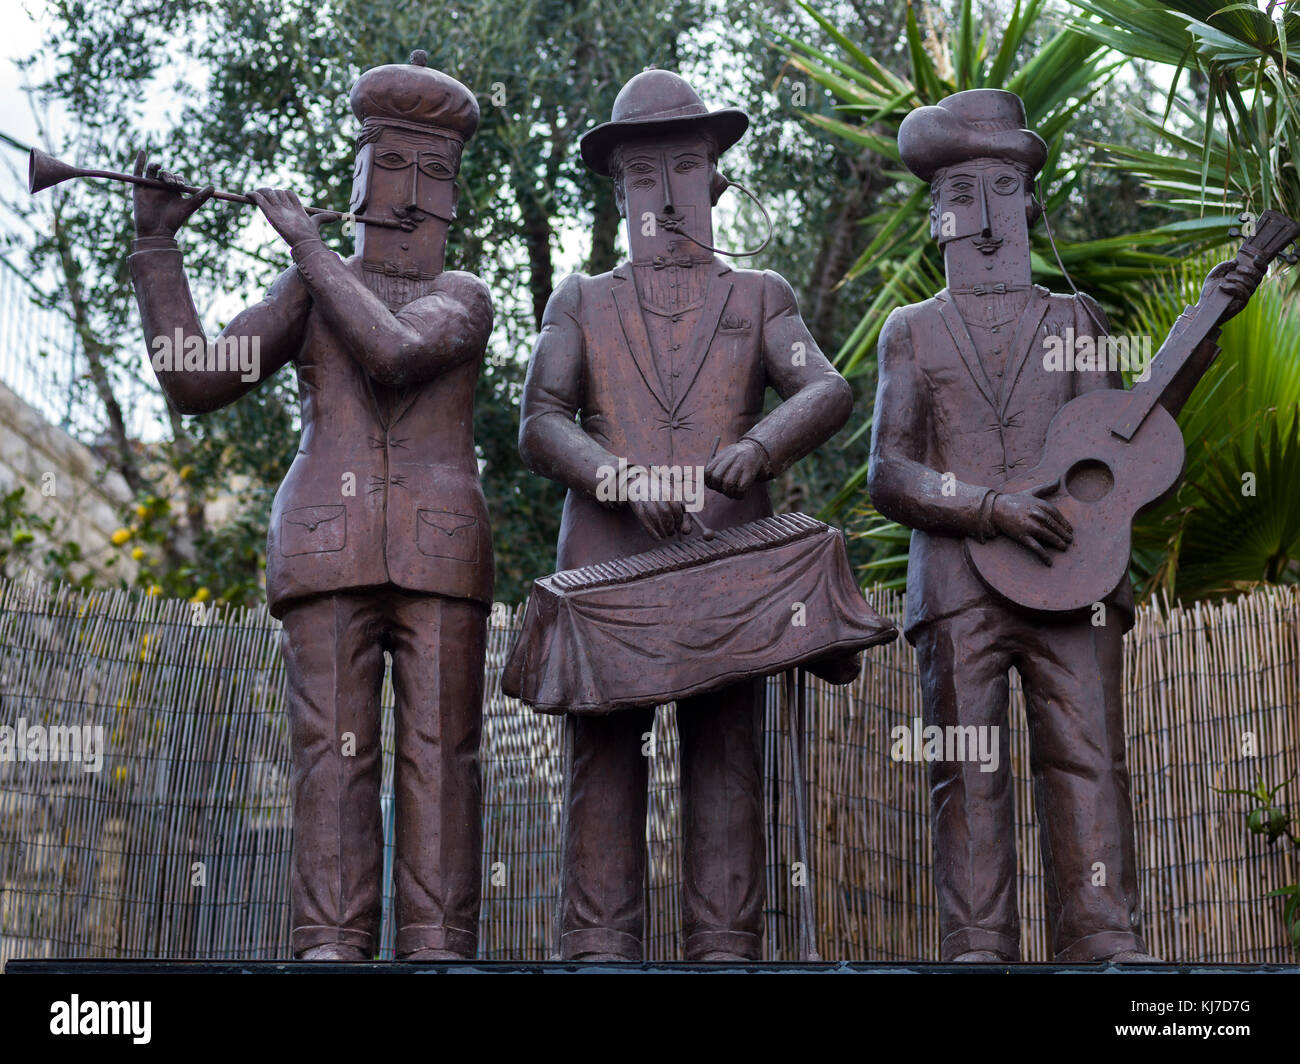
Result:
pixel 986 202
pixel 664 187
pixel 412 176
pixel 408 173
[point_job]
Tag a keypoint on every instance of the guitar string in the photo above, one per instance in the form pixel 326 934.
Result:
pixel 1038 183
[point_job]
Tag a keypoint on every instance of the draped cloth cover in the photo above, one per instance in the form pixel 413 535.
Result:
pixel 689 631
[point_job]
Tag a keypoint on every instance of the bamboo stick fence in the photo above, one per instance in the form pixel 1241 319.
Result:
pixel 179 845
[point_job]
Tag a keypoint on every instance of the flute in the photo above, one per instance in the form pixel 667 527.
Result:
pixel 44 170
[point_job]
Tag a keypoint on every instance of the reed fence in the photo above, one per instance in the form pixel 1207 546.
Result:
pixel 179 845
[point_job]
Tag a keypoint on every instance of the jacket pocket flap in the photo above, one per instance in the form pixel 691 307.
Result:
pixel 447 521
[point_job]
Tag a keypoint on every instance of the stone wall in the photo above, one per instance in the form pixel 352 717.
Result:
pixel 65 481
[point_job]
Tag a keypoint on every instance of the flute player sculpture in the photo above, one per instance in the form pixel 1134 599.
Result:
pixel 1019 472
pixel 645 398
pixel 379 537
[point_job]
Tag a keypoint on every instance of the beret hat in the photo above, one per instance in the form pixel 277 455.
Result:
pixel 415 96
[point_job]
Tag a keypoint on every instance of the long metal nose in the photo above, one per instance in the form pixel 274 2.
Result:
pixel 668 188
pixel 986 229
pixel 413 193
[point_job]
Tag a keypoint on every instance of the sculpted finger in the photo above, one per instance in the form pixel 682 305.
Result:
pixel 1054 519
pixel 1046 534
pixel 647 519
pixel 140 157
pixel 716 473
pixel 198 199
pixel 1032 544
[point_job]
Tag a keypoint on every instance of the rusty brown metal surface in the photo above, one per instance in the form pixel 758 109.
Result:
pixel 1008 470
pixel 663 364
pixel 379 537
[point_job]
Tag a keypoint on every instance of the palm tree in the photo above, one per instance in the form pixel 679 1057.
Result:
pixel 1239 146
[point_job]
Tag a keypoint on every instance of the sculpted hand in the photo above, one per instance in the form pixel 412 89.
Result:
pixel 734 469
pixel 661 519
pixel 287 216
pixel 160 212
pixel 1237 280
pixel 1025 517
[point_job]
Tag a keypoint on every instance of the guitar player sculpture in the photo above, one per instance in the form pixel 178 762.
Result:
pixel 1020 480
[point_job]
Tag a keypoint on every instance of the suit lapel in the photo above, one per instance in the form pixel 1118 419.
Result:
pixel 711 313
pixel 634 333
pixel 1025 333
pixel 965 347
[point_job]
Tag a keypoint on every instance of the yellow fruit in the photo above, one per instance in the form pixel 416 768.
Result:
pixel 120 536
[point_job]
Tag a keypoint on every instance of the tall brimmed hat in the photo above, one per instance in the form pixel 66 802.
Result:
pixel 417 97
pixel 658 101
pixel 975 124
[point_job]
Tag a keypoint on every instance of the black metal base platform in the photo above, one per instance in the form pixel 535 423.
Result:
pixel 181 967
pixel 1210 1004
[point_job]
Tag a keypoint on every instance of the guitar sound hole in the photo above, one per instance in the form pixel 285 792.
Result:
pixel 1089 480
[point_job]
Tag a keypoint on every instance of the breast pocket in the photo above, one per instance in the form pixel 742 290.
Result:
pixel 447 534
pixel 313 530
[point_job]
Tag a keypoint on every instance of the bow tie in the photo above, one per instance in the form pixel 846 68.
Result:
pixel 661 262
pixel 998 289
pixel 391 269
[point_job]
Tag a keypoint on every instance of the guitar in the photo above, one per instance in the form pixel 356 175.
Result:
pixel 1109 455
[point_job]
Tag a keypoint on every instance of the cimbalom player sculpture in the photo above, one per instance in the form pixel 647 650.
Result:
pixel 644 382
pixel 379 537
pixel 1019 472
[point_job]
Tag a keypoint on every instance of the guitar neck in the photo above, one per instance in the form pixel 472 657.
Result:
pixel 1191 329
pixel 1272 232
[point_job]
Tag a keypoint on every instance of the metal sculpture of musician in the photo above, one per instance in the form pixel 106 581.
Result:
pixel 1019 473
pixel 379 537
pixel 645 398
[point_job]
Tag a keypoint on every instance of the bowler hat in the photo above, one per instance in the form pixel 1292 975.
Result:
pixel 975 124
pixel 658 101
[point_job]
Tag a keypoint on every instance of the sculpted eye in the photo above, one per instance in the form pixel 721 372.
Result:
pixel 1006 184
pixel 392 160
pixel 640 168
pixel 643 182
pixel 687 165
pixel 434 166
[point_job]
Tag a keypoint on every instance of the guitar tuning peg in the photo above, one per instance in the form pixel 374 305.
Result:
pixel 1234 231
pixel 1290 258
pixel 1244 216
